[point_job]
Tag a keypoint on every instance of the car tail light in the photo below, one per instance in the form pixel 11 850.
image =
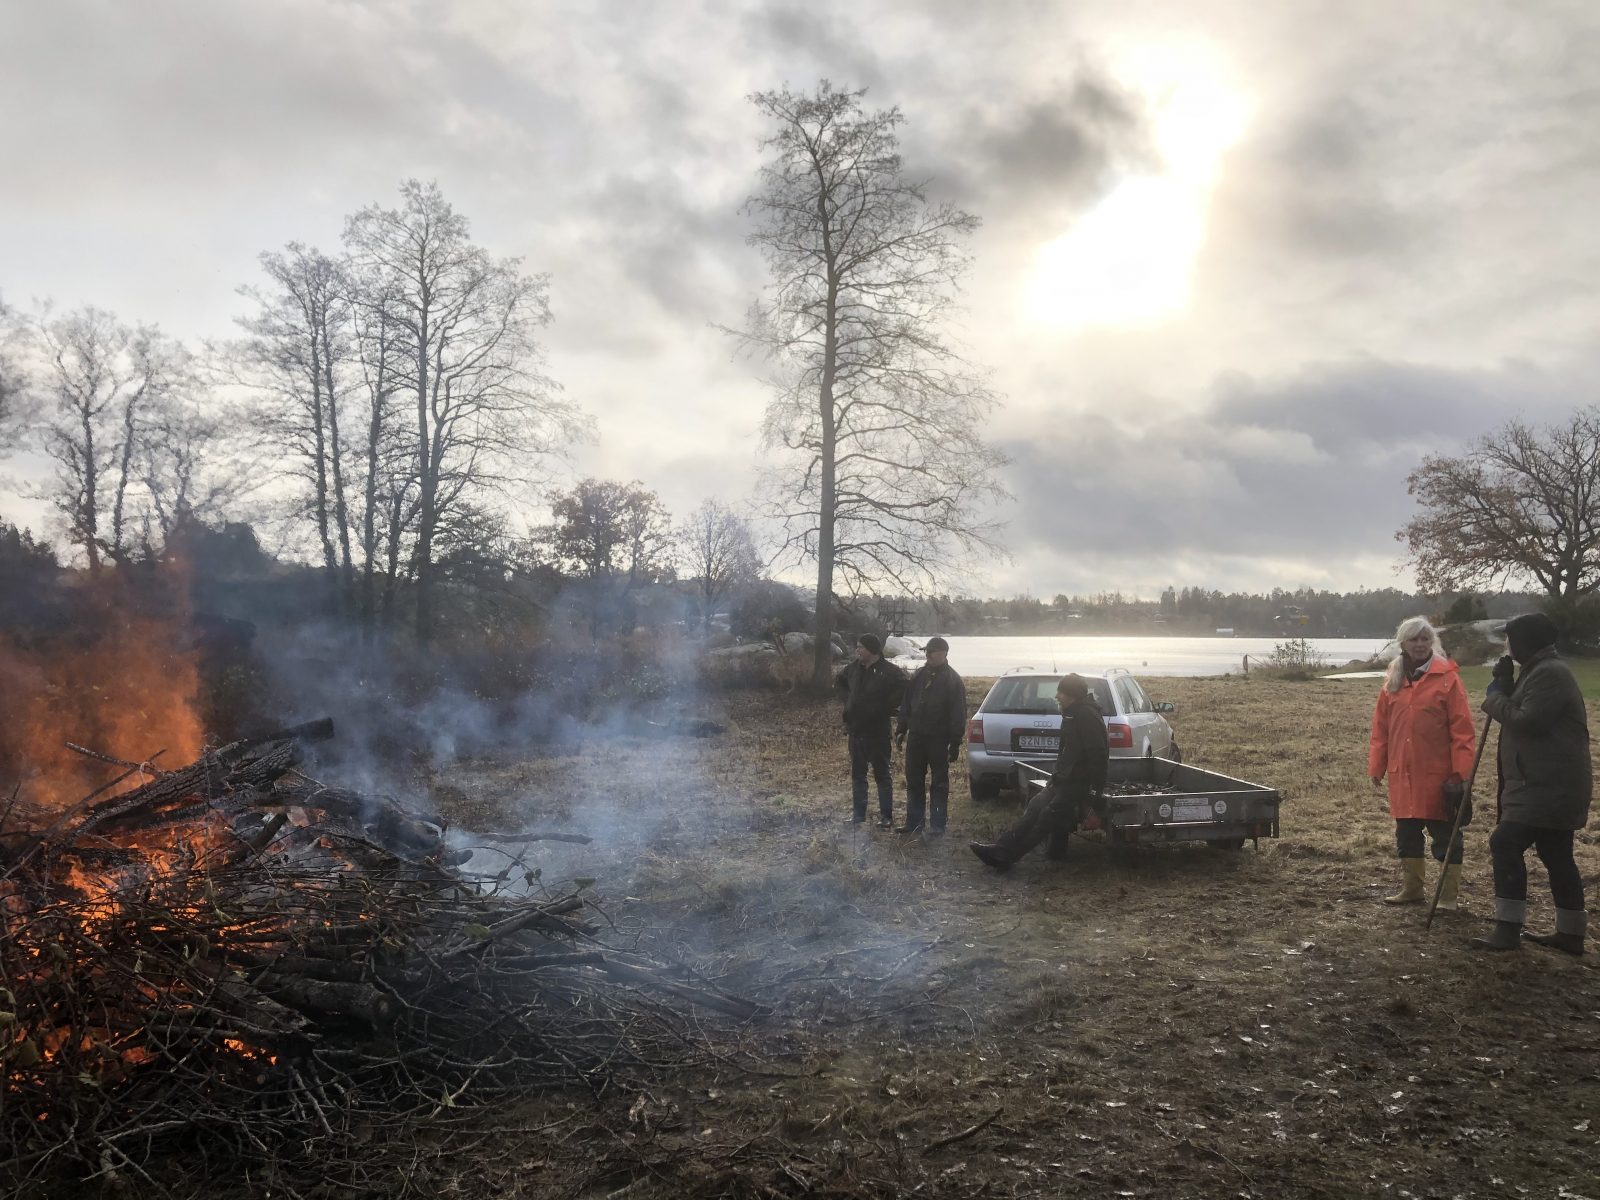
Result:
pixel 1120 736
pixel 975 731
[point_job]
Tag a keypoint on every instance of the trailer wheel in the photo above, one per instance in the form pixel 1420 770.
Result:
pixel 983 790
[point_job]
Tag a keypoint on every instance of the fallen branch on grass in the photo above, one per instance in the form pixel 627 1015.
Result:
pixel 952 1139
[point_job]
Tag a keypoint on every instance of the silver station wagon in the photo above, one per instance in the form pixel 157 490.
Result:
pixel 1019 721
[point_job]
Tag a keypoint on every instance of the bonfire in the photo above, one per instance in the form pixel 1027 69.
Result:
pixel 233 963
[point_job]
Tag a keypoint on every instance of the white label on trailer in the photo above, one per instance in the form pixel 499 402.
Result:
pixel 1192 810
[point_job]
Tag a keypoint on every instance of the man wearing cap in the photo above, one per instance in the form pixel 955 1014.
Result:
pixel 933 721
pixel 1078 780
pixel 1545 784
pixel 873 687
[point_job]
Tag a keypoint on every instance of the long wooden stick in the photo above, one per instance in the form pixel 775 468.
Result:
pixel 1455 826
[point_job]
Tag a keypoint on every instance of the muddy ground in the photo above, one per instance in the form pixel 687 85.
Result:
pixel 1191 1023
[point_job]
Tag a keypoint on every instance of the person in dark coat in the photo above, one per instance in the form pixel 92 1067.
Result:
pixel 932 725
pixel 1545 784
pixel 873 688
pixel 1079 779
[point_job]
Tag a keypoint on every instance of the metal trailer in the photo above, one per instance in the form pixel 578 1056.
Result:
pixel 1176 802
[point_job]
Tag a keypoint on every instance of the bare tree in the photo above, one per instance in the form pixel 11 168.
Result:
pixel 183 464
pixel 298 354
pixel 1522 504
pixel 389 475
pixel 614 538
pixel 98 383
pixel 719 554
pixel 14 397
pixel 482 411
pixel 884 473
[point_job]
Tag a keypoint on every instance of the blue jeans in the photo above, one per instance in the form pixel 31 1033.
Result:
pixel 871 750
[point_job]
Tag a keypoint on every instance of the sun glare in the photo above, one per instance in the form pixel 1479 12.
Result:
pixel 1128 260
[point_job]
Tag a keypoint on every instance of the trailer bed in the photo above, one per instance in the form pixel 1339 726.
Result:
pixel 1158 800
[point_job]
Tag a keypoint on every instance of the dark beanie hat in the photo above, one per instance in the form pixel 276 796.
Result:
pixel 1529 634
pixel 936 643
pixel 1073 685
pixel 871 642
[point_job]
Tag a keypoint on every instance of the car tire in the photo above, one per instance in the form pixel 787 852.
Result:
pixel 983 790
pixel 1173 754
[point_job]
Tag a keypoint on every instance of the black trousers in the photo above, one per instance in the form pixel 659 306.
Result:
pixel 1408 838
pixel 871 750
pixel 927 756
pixel 1049 816
pixel 1509 843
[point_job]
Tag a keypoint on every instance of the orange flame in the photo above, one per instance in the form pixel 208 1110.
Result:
pixel 124 681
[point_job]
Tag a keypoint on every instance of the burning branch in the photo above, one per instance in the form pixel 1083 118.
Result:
pixel 232 958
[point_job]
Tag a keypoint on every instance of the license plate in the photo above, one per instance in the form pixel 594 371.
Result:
pixel 1039 741
pixel 1192 811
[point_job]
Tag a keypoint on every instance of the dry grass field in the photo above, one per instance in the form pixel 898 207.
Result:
pixel 1188 1023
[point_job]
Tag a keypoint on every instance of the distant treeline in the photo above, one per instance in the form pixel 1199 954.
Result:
pixel 1192 611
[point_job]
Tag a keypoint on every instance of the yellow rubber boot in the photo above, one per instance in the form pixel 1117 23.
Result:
pixel 1451 885
pixel 1414 878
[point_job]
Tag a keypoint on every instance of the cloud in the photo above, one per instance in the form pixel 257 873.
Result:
pixel 1309 468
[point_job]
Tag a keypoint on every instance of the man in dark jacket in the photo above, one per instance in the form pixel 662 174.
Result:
pixel 1078 779
pixel 933 722
pixel 873 688
pixel 1545 784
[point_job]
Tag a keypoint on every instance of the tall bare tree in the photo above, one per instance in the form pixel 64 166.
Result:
pixel 98 383
pixel 884 474
pixel 298 353
pixel 718 552
pixel 470 367
pixel 389 475
pixel 1522 504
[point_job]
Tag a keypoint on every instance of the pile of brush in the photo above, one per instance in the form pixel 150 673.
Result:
pixel 235 962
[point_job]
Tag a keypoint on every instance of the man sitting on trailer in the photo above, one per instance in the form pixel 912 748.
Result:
pixel 1076 784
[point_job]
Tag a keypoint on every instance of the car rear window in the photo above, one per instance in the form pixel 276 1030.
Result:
pixel 1037 694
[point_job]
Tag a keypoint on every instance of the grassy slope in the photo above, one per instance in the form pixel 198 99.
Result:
pixel 1586 669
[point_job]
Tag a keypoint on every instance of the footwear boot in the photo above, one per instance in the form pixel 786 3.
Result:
pixel 1507 931
pixel 1413 877
pixel 989 855
pixel 1568 936
pixel 1451 885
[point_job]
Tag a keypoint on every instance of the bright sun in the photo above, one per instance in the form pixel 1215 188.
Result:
pixel 1128 260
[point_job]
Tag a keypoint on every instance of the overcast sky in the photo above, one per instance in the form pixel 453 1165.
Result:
pixel 1241 264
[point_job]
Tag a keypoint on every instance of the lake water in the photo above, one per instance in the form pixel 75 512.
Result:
pixel 1142 655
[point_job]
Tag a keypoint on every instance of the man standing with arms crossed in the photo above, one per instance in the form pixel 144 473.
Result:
pixel 872 688
pixel 933 721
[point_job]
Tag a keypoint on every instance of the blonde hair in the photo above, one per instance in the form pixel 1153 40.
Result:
pixel 1409 628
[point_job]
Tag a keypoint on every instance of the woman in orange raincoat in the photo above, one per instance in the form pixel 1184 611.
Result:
pixel 1422 739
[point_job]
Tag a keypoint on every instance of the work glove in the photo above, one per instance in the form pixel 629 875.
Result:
pixel 955 751
pixel 1505 671
pixel 1456 799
